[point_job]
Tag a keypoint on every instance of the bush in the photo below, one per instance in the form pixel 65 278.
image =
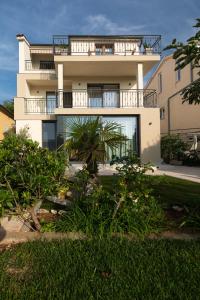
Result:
pixel 130 207
pixel 6 201
pixel 172 147
pixel 191 158
pixel 28 171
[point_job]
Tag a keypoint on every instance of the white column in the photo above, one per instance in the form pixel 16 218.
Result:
pixel 60 85
pixel 140 84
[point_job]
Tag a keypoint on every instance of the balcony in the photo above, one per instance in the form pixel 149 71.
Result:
pixel 39 66
pixel 107 45
pixel 91 98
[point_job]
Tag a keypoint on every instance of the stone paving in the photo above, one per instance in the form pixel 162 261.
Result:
pixel 183 172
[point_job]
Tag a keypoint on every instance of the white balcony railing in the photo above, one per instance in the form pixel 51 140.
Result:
pixel 92 99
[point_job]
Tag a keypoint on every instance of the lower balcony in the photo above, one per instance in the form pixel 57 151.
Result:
pixel 91 98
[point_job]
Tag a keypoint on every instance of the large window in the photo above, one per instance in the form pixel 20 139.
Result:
pixel 129 128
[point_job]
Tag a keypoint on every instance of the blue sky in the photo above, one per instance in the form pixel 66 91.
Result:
pixel 40 19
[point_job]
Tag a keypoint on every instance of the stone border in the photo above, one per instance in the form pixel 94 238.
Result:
pixel 21 237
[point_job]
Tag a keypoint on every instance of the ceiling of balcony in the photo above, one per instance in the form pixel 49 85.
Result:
pixel 105 66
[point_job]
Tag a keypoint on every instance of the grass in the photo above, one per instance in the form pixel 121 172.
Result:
pixel 101 269
pixel 167 190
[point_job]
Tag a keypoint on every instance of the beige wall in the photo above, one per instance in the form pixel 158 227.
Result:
pixel 34 128
pixel 183 117
pixel 5 124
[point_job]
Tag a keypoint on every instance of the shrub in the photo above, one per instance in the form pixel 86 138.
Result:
pixel 191 158
pixel 6 201
pixel 172 147
pixel 29 171
pixel 130 207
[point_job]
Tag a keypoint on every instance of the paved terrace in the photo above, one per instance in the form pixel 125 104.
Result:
pixel 183 172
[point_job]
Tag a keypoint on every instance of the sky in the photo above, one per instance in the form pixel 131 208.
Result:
pixel 40 19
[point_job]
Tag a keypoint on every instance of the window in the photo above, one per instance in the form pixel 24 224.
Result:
pixel 162 113
pixel 103 95
pixel 178 75
pixel 104 49
pixel 130 128
pixel 67 99
pixel 49 135
pixel 160 83
pixel 47 65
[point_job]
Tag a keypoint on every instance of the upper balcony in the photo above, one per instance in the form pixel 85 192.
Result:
pixel 107 45
pixel 106 55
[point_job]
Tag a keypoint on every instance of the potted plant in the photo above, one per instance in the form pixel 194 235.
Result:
pixel 63 49
pixel 147 48
pixel 62 192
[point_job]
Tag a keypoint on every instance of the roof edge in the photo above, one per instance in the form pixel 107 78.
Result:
pixel 6 111
pixel 157 69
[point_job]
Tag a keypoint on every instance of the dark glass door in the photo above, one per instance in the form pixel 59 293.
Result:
pixel 49 135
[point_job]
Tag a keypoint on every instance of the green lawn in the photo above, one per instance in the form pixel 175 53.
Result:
pixel 101 269
pixel 168 190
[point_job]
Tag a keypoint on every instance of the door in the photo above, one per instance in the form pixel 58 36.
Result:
pixel 103 95
pixel 49 135
pixel 51 102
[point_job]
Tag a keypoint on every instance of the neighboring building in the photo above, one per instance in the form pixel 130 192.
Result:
pixel 175 117
pixel 6 121
pixel 89 76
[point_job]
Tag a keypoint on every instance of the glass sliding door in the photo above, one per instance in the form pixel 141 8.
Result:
pixel 103 95
pixel 111 95
pixel 51 102
pixel 49 135
pixel 129 127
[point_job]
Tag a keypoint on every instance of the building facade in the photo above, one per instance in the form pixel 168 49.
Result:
pixel 6 121
pixel 85 77
pixel 175 117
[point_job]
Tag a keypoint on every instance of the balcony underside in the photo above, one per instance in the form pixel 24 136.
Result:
pixel 105 66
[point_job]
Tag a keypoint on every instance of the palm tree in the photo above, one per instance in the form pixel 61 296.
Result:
pixel 89 138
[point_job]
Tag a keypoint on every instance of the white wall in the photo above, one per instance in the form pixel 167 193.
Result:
pixel 34 129
pixel 24 54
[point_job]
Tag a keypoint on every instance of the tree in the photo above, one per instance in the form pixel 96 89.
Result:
pixel 9 105
pixel 185 54
pixel 89 138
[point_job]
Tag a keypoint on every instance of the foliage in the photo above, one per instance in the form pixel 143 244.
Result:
pixel 184 55
pixel 6 201
pixel 101 269
pixel 191 158
pixel 89 139
pixel 9 105
pixel 172 147
pixel 28 171
pixel 129 207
